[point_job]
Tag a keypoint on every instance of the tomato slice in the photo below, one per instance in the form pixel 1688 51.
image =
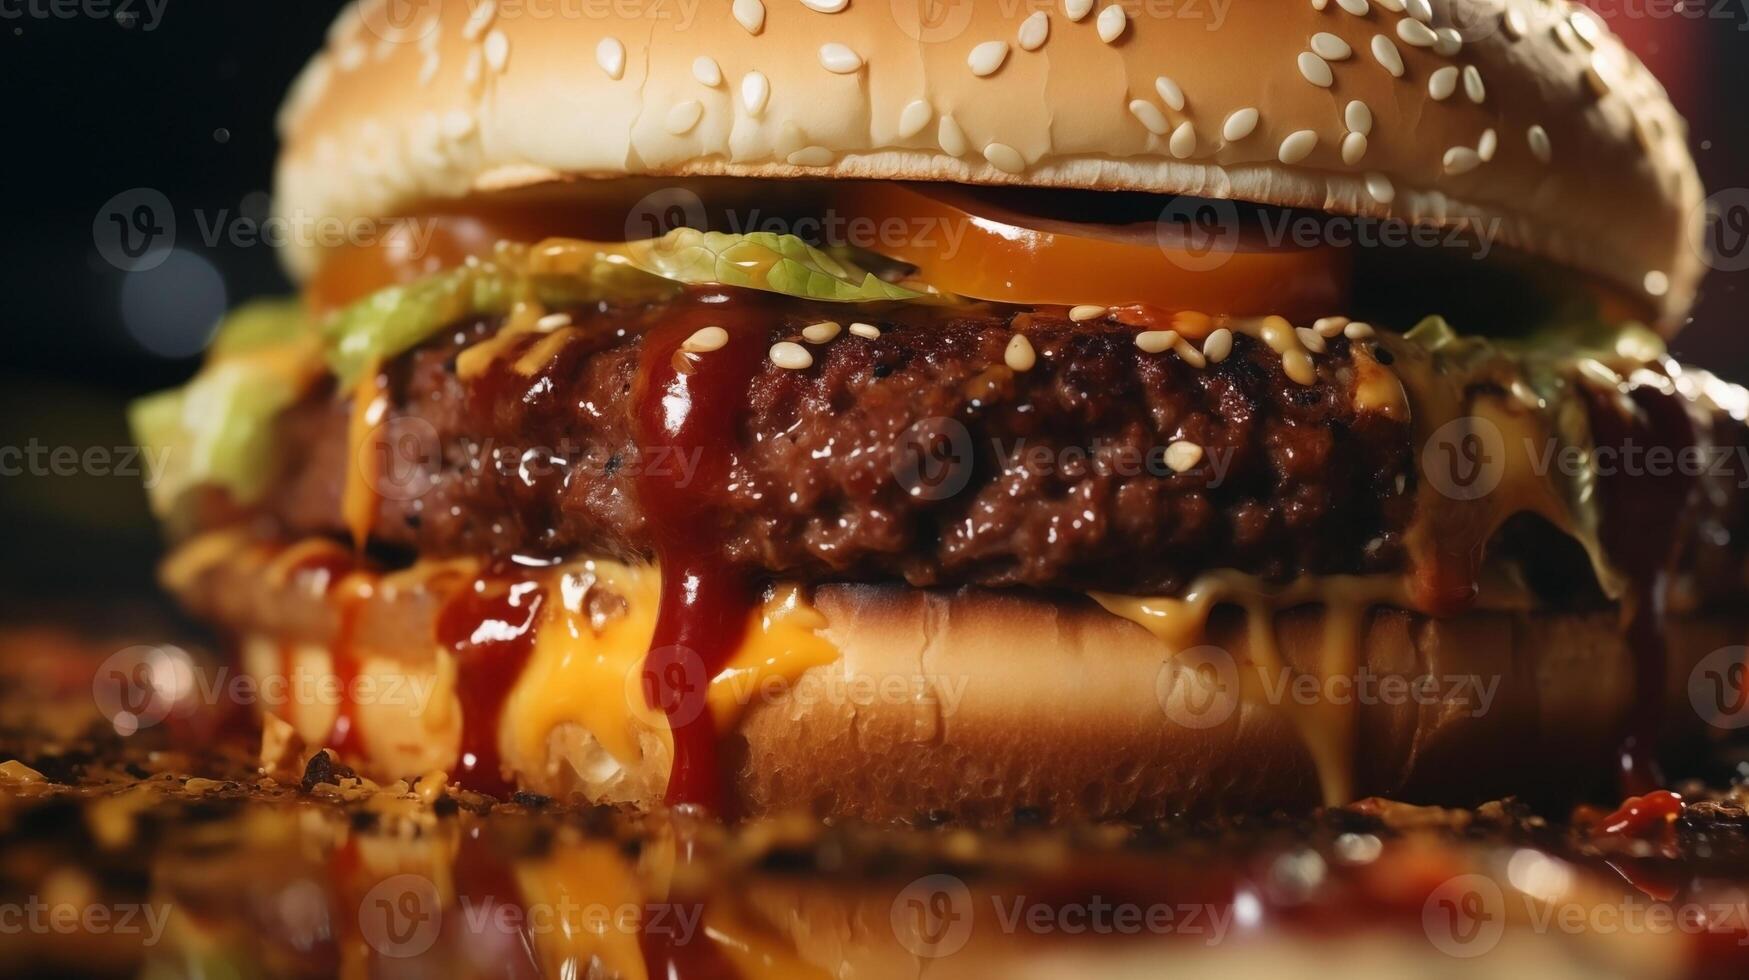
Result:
pixel 1189 255
pixel 1027 246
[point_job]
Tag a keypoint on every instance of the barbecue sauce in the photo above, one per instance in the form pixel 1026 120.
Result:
pixel 689 406
pixel 490 628
pixel 1641 522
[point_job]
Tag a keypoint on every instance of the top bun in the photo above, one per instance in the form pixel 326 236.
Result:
pixel 1524 117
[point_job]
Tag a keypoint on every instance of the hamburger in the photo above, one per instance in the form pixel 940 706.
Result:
pixel 898 413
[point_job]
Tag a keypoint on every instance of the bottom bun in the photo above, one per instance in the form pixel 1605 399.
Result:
pixel 972 705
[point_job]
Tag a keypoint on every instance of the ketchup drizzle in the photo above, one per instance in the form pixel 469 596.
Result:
pixel 690 406
pixel 490 627
pixel 1641 523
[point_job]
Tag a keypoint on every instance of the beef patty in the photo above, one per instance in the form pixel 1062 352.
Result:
pixel 918 454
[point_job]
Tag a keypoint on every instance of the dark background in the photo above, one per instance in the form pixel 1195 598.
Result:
pixel 183 104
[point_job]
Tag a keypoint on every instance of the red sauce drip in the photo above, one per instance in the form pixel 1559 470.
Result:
pixel 490 627
pixel 1643 816
pixel 693 956
pixel 345 738
pixel 489 914
pixel 1643 512
pixel 690 407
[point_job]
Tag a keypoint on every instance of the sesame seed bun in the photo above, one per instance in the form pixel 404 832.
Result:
pixel 1526 114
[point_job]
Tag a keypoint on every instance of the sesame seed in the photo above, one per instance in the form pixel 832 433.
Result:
pixel 1540 147
pixel 1156 341
pixel 1358 118
pixel 456 124
pixel 479 19
pixel 952 139
pixel 1297 146
pixel 811 156
pixel 705 69
pixel 1081 314
pixel 1319 5
pixel 1657 283
pixel 1019 356
pixel 1356 7
pixel 1316 70
pixel 705 339
pixel 1394 6
pixel 1330 47
pixel 750 14
pixel 428 69
pixel 1415 33
pixel 1421 10
pixel 755 92
pixel 1353 148
pixel 1077 9
pixel 610 54
pixel 865 330
pixel 497 50
pixel 1111 23
pixel 475 68
pixel 1447 42
pixel 1183 141
pixel 1329 326
pixel 1311 339
pixel 1034 31
pixel 826 6
pixel 1150 116
pixel 1594 78
pixel 987 57
pixel 553 321
pixel 1381 188
pixel 1385 52
pixel 1512 23
pixel 1460 160
pixel 1005 158
pixel 1565 39
pixel 1183 456
pixel 1585 26
pixel 1239 124
pixel 820 333
pixel 839 59
pixel 791 356
pixel 914 117
pixel 1442 83
pixel 683 117
pixel 1217 345
pixel 1359 331
pixel 1170 93
pixel 1489 143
